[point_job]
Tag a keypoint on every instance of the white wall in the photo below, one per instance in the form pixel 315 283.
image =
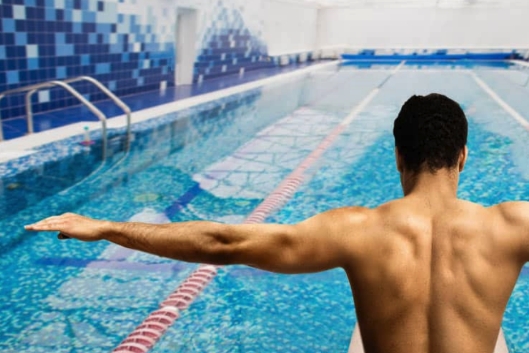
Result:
pixel 466 28
pixel 289 27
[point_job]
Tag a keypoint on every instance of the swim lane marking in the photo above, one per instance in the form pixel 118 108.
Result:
pixel 144 337
pixel 512 112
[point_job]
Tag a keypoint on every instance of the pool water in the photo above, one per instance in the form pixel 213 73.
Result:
pixel 218 162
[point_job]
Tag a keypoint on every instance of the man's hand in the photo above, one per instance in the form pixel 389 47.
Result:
pixel 71 225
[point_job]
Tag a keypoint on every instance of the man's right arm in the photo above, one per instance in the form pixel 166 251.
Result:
pixel 319 243
pixel 516 214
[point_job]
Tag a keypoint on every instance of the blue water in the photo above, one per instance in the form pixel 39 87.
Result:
pixel 75 297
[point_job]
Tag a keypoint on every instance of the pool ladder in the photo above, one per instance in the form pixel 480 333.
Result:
pixel 32 89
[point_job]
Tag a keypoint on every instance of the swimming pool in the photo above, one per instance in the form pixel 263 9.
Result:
pixel 219 161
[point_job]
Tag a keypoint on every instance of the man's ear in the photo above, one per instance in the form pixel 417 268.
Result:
pixel 463 159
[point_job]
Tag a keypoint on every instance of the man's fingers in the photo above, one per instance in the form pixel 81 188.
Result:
pixel 52 223
pixel 47 225
pixel 57 223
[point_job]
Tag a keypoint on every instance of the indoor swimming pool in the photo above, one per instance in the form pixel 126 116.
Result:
pixel 329 126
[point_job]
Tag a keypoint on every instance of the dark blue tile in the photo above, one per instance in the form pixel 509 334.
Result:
pixel 11 64
pixel 16 125
pixel 50 27
pixel 89 27
pixel 22 64
pixel 59 14
pixel 7 10
pixel 8 39
pixel 41 25
pixel 9 133
pixel 21 25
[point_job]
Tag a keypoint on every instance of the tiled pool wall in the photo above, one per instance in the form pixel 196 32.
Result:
pixel 128 45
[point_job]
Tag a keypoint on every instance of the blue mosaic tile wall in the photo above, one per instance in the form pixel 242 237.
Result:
pixel 128 45
pixel 228 46
pixel 43 40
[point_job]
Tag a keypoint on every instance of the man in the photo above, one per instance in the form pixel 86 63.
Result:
pixel 429 272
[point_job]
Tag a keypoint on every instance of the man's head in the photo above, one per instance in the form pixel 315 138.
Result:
pixel 430 134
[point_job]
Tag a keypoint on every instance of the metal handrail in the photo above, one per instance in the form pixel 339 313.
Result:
pixel 34 88
pixel 99 85
pixel 77 95
pixel 114 98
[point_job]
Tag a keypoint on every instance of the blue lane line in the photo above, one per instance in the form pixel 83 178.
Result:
pixel 183 200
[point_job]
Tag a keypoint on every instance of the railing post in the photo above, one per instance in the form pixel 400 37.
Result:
pixel 1 129
pixel 29 111
pixel 1 125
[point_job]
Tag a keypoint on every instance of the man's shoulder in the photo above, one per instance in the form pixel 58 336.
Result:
pixel 364 215
pixel 349 219
pixel 513 212
pixel 349 214
pixel 514 226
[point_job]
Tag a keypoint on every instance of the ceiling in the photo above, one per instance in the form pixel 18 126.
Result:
pixel 417 3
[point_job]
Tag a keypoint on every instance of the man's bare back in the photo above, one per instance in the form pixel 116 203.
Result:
pixel 434 278
pixel 429 273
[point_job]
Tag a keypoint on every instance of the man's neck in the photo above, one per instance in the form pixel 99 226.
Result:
pixel 436 187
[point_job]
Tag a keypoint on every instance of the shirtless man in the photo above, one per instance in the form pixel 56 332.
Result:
pixel 429 273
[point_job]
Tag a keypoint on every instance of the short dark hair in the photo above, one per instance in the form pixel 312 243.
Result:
pixel 430 132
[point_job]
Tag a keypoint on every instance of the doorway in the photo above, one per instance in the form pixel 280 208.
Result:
pixel 186 34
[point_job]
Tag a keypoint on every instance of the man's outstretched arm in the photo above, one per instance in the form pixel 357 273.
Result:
pixel 316 244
